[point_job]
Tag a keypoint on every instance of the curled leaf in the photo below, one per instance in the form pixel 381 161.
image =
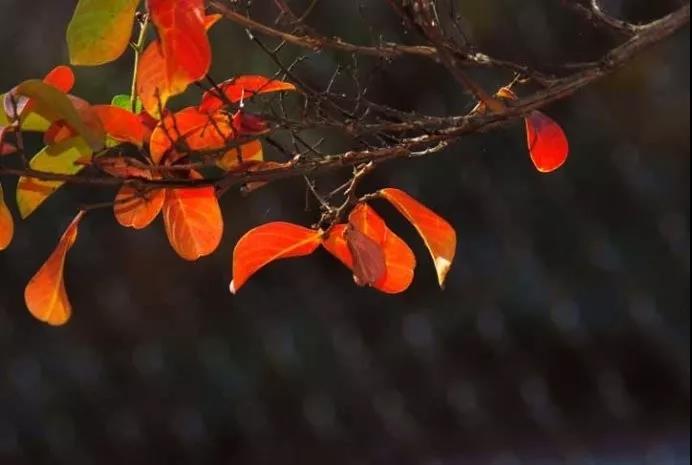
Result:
pixel 45 295
pixel 54 105
pixel 268 242
pixel 438 235
pixel 6 223
pixel 398 257
pixel 368 258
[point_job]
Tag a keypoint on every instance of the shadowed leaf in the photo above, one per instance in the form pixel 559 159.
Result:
pixel 399 259
pixel 135 209
pixel 368 258
pixel 6 223
pixel 54 105
pixel 59 159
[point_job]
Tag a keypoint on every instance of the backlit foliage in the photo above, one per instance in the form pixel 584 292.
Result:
pixel 177 163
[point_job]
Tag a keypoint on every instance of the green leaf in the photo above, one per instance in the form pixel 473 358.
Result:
pixel 53 105
pixel 125 102
pixel 100 30
pixel 58 159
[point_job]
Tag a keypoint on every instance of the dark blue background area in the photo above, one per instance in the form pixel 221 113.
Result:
pixel 562 336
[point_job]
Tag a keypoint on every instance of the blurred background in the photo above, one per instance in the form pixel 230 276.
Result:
pixel 562 337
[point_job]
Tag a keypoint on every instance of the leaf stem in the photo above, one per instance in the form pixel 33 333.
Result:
pixel 143 21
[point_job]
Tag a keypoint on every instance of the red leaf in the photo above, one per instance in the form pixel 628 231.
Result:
pixel 240 88
pixel 154 85
pixel 547 142
pixel 399 259
pixel 264 244
pixel 180 57
pixel 61 77
pixel 45 295
pixel 193 220
pixel 438 235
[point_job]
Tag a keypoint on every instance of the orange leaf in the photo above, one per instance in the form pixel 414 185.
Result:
pixel 399 259
pixel 199 131
pixel 174 126
pixel 153 87
pixel 6 223
pixel 45 295
pixel 438 235
pixel 135 209
pixel 193 221
pixel 264 244
pixel 120 124
pixel 241 88
pixel 547 142
pixel 250 152
pixel 58 132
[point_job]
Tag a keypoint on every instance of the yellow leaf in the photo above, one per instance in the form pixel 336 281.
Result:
pixel 60 158
pixel 100 30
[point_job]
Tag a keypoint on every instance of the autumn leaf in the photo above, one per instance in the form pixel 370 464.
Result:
pixel 122 125
pixel 136 209
pixel 193 221
pixel 241 88
pixel 6 223
pixel 180 57
pixel 197 131
pixel 174 126
pixel 399 259
pixel 267 243
pixel 368 257
pixel 250 152
pixel 547 142
pixel 59 159
pixel 58 131
pixel 45 295
pixel 100 30
pixel 61 77
pixel 53 104
pixel 438 235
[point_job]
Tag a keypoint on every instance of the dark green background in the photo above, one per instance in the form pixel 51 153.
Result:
pixel 562 337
